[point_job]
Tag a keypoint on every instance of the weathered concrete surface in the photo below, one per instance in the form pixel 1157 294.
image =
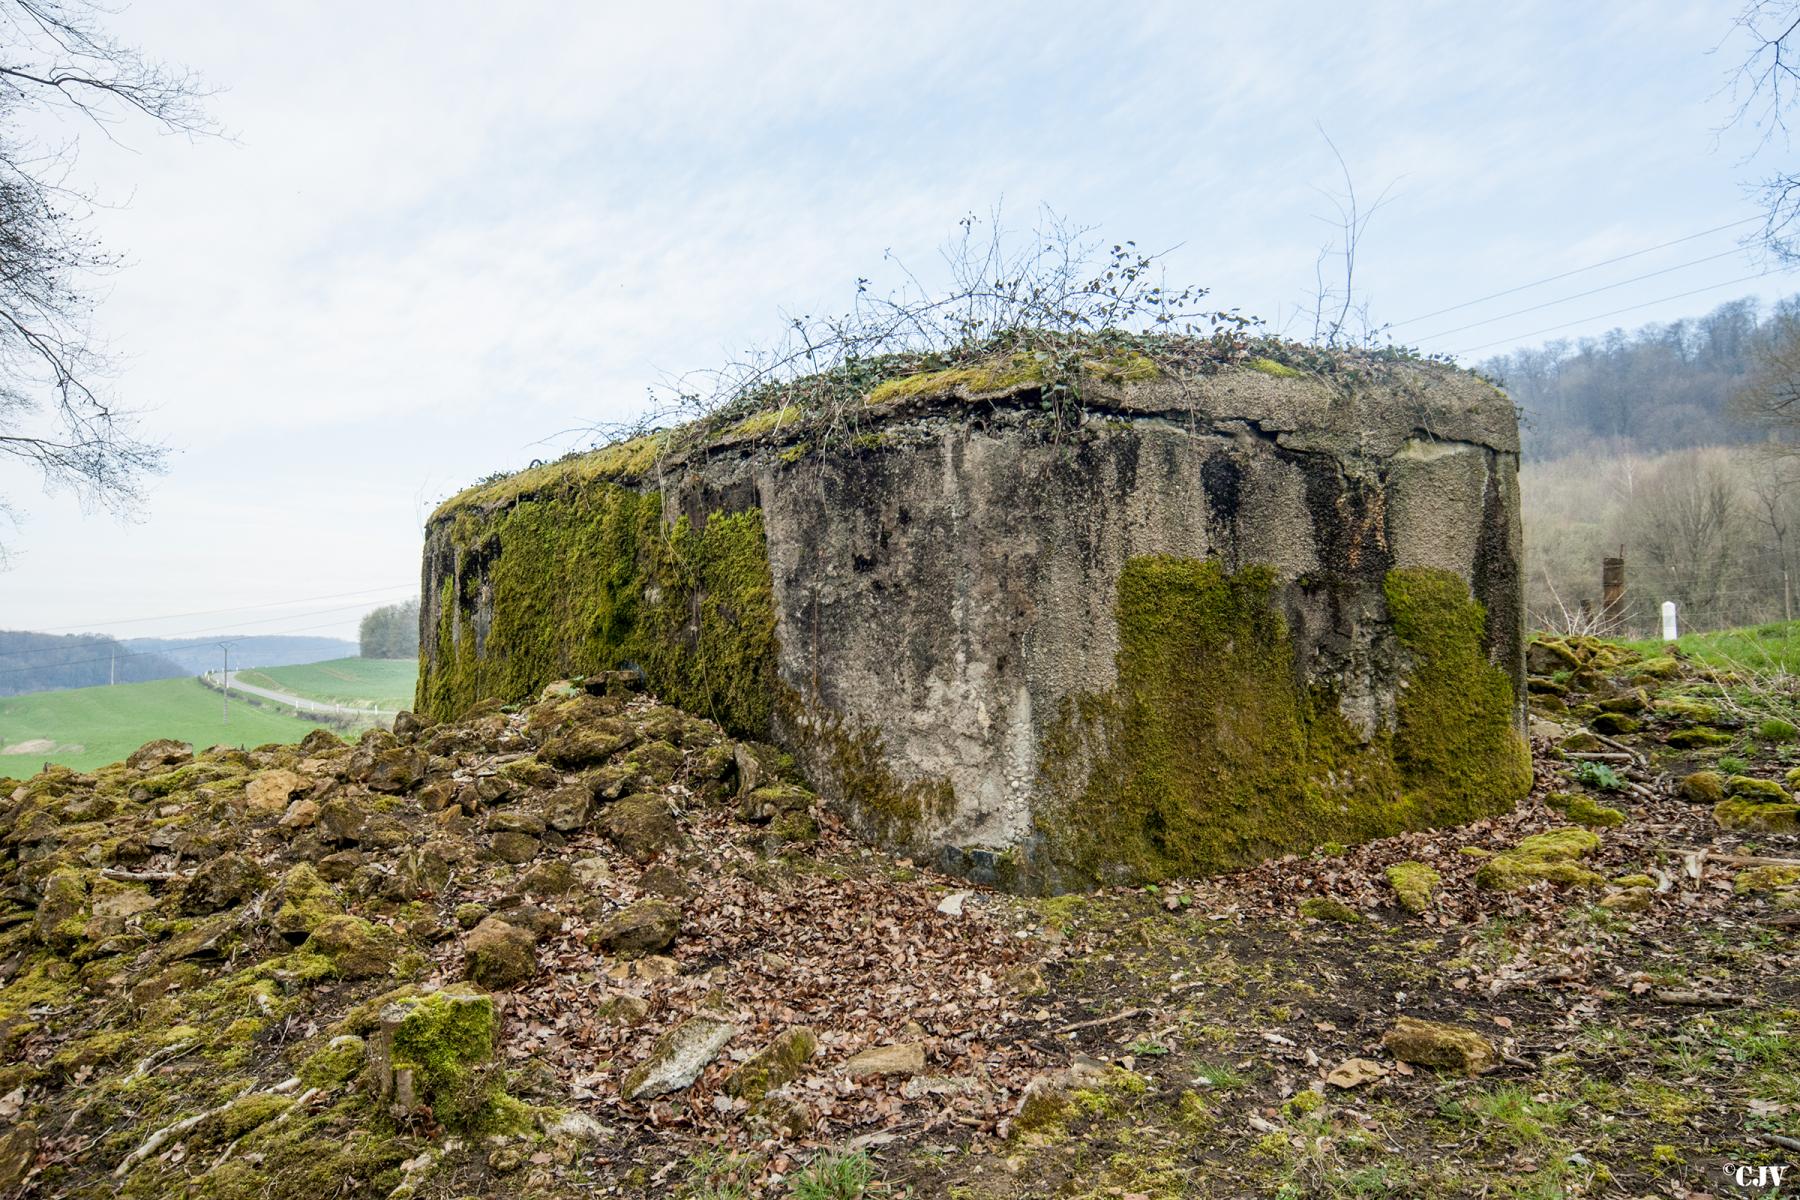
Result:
pixel 946 588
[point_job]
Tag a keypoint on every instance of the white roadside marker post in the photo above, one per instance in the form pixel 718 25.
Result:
pixel 1668 615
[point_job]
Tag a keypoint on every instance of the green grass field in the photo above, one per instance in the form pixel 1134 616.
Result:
pixel 89 727
pixel 383 683
pixel 1762 648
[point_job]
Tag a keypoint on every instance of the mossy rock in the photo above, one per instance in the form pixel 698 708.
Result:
pixel 1697 738
pixel 356 948
pixel 1702 787
pixel 641 927
pixel 1662 667
pixel 1765 879
pixel 498 954
pixel 641 826
pixel 222 882
pixel 1615 724
pixel 1749 817
pixel 1547 656
pixel 1685 708
pixel 1584 810
pixel 1552 857
pixel 1435 1044
pixel 776 1064
pixel 1324 908
pixel 1743 787
pixel 1413 884
pixel 62 914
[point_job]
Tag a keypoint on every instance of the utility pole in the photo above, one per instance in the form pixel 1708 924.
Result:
pixel 225 680
pixel 112 676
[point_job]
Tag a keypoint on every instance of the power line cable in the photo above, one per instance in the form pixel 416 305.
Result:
pixel 1629 308
pixel 210 612
pixel 1577 271
pixel 1517 312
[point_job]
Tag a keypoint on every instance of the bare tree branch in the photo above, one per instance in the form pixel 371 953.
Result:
pixel 57 413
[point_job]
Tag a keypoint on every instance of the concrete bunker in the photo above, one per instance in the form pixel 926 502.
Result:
pixel 1215 619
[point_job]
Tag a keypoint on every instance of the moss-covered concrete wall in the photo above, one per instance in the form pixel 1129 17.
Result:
pixel 1218 620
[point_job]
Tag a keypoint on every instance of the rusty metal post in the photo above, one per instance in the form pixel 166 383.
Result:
pixel 1612 593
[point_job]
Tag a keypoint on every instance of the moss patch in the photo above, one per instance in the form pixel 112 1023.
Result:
pixel 988 378
pixel 588 579
pixel 1210 754
pixel 1413 884
pixel 1553 857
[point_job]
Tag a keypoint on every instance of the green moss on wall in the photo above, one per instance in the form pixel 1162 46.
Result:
pixel 1456 742
pixel 583 582
pixel 1211 753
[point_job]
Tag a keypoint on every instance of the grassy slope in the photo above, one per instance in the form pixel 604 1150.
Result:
pixel 108 723
pixel 1771 647
pixel 386 683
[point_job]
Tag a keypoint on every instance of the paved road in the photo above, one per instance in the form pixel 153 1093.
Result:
pixel 299 702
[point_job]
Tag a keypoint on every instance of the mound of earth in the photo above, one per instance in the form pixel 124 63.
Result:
pixel 592 945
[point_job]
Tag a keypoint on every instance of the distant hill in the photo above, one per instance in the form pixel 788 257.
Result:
pixel 1658 388
pixel 40 662
pixel 196 656
pixel 43 662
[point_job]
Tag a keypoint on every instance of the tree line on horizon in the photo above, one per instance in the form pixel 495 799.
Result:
pixel 391 631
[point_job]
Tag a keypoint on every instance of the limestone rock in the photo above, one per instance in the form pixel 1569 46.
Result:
pixel 340 820
pixel 641 826
pixel 359 949
pixel 18 1153
pixel 642 927
pixel 499 955
pixel 271 791
pixel 1434 1044
pixel 515 847
pixel 591 873
pixel 301 814
pixel 396 770
pixel 776 1064
pixel 304 901
pixel 222 882
pixel 899 1058
pixel 515 820
pixel 1750 816
pixel 678 1058
pixel 160 755
pixel 62 914
pixel 567 809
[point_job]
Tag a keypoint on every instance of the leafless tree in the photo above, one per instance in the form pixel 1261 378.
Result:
pixel 1689 521
pixel 1770 393
pixel 1772 487
pixel 1336 301
pixel 59 69
pixel 1763 87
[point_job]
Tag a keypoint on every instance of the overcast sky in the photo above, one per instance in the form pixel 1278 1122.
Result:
pixel 444 232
